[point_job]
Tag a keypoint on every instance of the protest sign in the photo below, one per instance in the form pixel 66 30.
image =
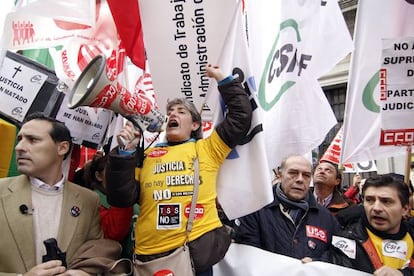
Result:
pixel 397 92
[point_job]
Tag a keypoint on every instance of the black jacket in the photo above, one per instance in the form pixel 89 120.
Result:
pixel 271 230
pixel 357 232
pixel 122 188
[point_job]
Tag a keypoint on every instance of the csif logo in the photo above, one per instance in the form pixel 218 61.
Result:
pixel 285 59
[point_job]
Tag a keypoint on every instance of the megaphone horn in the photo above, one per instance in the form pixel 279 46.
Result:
pixel 93 88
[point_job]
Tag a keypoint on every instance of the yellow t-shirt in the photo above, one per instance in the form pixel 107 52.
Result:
pixel 166 182
pixel 393 253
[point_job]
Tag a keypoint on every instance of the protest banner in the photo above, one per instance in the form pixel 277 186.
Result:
pixel 376 20
pixel 193 35
pixel 243 259
pixel 397 92
pixel 27 87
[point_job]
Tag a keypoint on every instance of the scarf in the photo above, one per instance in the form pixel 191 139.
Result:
pixel 296 209
pixel 397 236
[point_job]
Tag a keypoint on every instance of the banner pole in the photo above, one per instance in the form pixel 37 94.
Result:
pixel 408 165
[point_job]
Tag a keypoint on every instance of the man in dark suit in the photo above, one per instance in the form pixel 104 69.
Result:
pixel 294 224
pixel 41 204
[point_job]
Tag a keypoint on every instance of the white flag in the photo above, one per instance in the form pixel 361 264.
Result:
pixel 81 12
pixel 47 23
pixel 245 171
pixel 292 44
pixel 376 19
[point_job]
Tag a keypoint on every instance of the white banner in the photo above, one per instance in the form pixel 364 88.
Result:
pixel 76 11
pixel 397 91
pixel 45 23
pixel 194 35
pixel 247 260
pixel 359 167
pixel 87 125
pixel 292 44
pixel 376 20
pixel 181 38
pixel 19 86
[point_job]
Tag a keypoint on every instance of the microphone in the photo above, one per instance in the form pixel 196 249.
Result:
pixel 25 210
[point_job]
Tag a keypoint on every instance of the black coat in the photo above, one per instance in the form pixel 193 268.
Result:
pixel 270 229
pixel 356 231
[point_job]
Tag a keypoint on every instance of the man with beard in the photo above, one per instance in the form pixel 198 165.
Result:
pixel 381 241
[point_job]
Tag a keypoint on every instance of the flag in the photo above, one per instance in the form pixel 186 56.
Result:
pixel 245 172
pixel 7 6
pixel 88 125
pixel 128 24
pixel 47 23
pixel 292 44
pixel 180 41
pixel 80 12
pixel 333 152
pixel 376 20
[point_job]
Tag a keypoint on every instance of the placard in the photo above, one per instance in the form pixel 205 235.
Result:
pixel 397 91
pixel 27 87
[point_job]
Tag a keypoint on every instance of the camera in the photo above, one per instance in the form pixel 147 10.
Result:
pixel 53 252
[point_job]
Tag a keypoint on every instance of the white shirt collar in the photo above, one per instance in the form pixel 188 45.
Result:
pixel 42 185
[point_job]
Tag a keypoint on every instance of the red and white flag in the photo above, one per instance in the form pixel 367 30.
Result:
pixel 333 152
pixel 376 20
pixel 128 24
pixel 48 23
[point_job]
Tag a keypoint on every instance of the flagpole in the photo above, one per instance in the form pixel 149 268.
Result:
pixel 408 165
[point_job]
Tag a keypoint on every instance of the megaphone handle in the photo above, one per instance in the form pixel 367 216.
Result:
pixel 122 142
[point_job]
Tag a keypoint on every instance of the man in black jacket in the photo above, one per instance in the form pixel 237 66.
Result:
pixel 294 224
pixel 380 242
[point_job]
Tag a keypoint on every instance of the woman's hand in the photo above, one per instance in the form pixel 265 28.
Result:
pixel 214 71
pixel 128 137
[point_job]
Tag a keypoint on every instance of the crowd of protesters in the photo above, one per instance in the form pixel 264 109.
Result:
pixel 93 229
